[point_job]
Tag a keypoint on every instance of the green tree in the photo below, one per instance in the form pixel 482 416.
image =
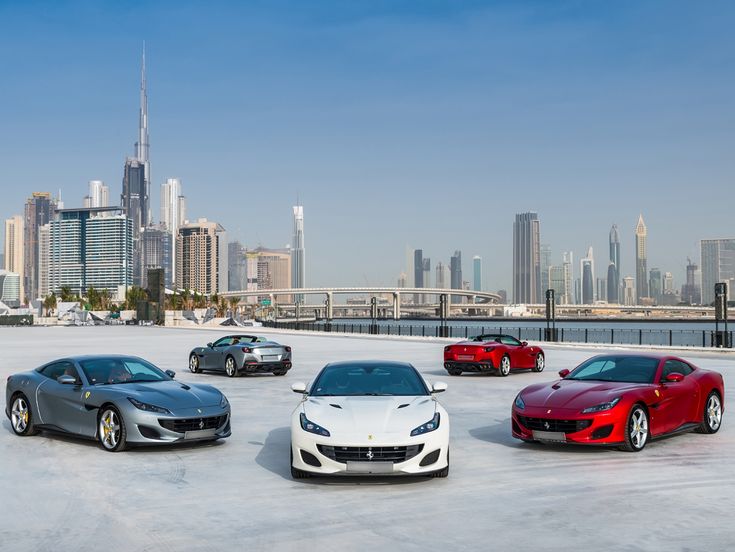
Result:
pixel 234 303
pixel 66 295
pixel 49 303
pixel 134 294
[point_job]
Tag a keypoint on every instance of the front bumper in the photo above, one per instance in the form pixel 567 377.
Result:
pixel 601 428
pixel 151 428
pixel 429 444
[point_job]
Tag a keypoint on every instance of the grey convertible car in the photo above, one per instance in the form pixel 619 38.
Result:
pixel 118 400
pixel 234 354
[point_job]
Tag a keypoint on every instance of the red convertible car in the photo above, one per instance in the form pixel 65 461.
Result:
pixel 492 352
pixel 621 400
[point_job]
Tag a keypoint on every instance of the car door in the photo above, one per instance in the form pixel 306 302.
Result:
pixel 216 356
pixel 60 404
pixel 514 350
pixel 676 398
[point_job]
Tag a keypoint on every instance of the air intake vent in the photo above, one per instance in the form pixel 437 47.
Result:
pixel 335 406
pixel 402 405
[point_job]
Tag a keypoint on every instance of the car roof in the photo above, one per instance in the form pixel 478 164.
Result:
pixel 655 356
pixel 367 363
pixel 79 358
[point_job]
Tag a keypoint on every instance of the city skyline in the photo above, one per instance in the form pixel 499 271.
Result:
pixel 103 105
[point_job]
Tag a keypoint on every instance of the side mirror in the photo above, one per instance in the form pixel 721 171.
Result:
pixel 209 344
pixel 564 373
pixel 170 373
pixel 524 343
pixel 299 387
pixel 439 387
pixel 66 379
pixel 674 377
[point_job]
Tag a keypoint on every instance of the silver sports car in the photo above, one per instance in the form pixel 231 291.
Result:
pixel 234 354
pixel 117 400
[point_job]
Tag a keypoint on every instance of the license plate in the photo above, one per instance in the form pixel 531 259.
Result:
pixel 199 434
pixel 465 357
pixel 271 357
pixel 370 467
pixel 551 436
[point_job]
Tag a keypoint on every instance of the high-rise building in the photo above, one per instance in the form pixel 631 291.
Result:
pixel 237 270
pixel 418 273
pixel 135 204
pixel 401 280
pixel 157 244
pixel 44 242
pixel 142 147
pixel 629 291
pixel 10 289
pixel 298 261
pixel 545 251
pixel 13 251
pixel 87 248
pixel 668 282
pixel 601 289
pixel 641 260
pixel 269 269
pixel 455 271
pixel 569 297
pixel 443 276
pixel 558 282
pixel 201 257
pixel 587 271
pixel 173 205
pixel 526 258
pixel 655 285
pixel 476 273
pixel 718 265
pixel 691 292
pixel 99 195
pixel 427 272
pixel 613 269
pixel 39 209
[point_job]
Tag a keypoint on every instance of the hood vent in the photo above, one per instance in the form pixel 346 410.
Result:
pixel 335 406
pixel 403 405
pixel 186 387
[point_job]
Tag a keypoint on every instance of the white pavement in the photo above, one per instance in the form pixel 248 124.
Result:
pixel 61 493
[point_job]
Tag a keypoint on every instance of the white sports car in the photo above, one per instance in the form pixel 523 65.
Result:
pixel 369 417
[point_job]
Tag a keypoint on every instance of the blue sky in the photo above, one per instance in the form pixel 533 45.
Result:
pixel 424 124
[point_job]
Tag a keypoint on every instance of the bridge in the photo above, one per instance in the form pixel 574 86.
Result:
pixel 475 299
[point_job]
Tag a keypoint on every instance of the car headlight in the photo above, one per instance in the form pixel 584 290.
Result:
pixel 431 425
pixel 311 427
pixel 519 402
pixel 223 402
pixel 148 407
pixel 601 407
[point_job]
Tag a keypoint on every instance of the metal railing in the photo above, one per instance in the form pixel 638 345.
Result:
pixel 612 336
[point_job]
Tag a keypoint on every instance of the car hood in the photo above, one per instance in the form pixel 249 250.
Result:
pixel 575 394
pixel 384 415
pixel 169 394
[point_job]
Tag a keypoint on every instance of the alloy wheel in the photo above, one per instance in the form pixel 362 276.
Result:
pixel 109 429
pixel 504 366
pixel 194 364
pixel 540 362
pixel 638 428
pixel 714 412
pixel 19 414
pixel 230 367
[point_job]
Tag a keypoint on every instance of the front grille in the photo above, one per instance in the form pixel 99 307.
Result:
pixel 183 425
pixel 370 454
pixel 550 424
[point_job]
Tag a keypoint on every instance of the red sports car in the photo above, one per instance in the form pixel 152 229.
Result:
pixel 492 352
pixel 621 400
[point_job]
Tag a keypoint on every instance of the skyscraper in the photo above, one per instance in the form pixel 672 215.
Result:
pixel 269 269
pixel 298 261
pixel 558 282
pixel 545 250
pixel 443 276
pixel 628 291
pixel 568 265
pixel 455 270
pixel 587 271
pixel 691 292
pixel 427 272
pixel 418 272
pixel 718 265
pixel 655 283
pixel 201 253
pixel 641 260
pixel 157 245
pixel 99 195
pixel 173 215
pixel 237 269
pixel 87 248
pixel 526 258
pixel 13 257
pixel 613 269
pixel 135 203
pixel 142 145
pixel 477 272
pixel 39 210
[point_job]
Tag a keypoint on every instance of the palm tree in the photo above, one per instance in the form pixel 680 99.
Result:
pixel 65 294
pixel 105 299
pixel 49 303
pixel 93 297
pixel 134 294
pixel 234 303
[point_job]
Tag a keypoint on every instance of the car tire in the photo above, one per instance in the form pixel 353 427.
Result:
pixel 637 429
pixel 454 371
pixel 230 367
pixel 441 473
pixel 297 473
pixel 504 366
pixel 21 416
pixel 540 363
pixel 194 364
pixel 111 432
pixel 712 415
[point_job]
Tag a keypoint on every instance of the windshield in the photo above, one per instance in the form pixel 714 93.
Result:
pixel 487 337
pixel 626 369
pixel 368 379
pixel 121 370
